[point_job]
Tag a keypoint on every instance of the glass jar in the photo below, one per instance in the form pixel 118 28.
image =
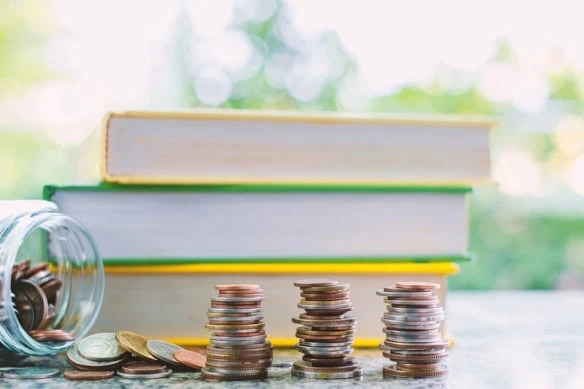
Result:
pixel 43 250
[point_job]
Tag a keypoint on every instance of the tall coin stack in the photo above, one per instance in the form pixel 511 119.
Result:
pixel 238 348
pixel 326 332
pixel 412 328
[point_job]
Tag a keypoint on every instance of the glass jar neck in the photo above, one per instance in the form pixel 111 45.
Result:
pixel 72 253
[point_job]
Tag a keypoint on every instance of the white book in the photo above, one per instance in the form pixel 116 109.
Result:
pixel 233 147
pixel 173 305
pixel 179 224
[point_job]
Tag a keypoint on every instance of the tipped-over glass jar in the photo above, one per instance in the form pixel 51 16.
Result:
pixel 51 279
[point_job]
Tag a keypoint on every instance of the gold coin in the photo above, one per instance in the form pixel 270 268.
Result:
pixel 134 343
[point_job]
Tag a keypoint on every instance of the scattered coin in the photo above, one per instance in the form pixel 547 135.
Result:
pixel 411 328
pixel 81 363
pixel 31 373
pixel 101 347
pixel 143 367
pixel 79 375
pixel 191 359
pixel 163 374
pixel 164 351
pixel 134 343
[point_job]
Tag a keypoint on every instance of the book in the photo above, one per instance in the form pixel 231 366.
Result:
pixel 238 146
pixel 198 224
pixel 171 302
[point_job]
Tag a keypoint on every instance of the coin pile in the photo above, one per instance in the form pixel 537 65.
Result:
pixel 128 354
pixel 238 349
pixel 412 328
pixel 327 331
pixel 34 295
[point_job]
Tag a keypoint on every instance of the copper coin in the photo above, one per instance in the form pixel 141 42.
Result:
pixel 304 330
pixel 331 317
pixel 417 285
pixel 19 269
pixel 327 289
pixel 233 287
pixel 237 335
pixel 35 269
pixel 418 366
pixel 323 338
pixel 86 375
pixel 222 364
pixel 314 283
pixel 142 367
pixel 307 366
pixel 51 288
pixel 215 304
pixel 51 335
pixel 228 322
pixel 37 299
pixel 25 312
pixel 412 297
pixel 416 346
pixel 327 311
pixel 190 359
pixel 325 296
pixel 393 371
pixel 246 293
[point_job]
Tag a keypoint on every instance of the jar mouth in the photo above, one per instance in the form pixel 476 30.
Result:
pixel 45 310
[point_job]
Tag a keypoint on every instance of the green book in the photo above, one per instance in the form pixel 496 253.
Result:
pixel 163 225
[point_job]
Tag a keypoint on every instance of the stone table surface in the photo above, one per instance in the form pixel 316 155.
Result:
pixel 502 340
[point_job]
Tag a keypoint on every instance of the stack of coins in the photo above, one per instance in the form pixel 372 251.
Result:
pixel 327 331
pixel 238 348
pixel 412 328
pixel 34 295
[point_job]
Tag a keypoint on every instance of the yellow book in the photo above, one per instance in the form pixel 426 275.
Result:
pixel 171 302
pixel 264 147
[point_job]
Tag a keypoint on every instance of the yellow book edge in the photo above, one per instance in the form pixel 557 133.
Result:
pixel 440 268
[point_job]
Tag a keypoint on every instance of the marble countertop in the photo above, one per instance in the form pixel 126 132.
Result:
pixel 502 340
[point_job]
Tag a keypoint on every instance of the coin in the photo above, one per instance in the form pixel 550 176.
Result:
pixel 414 357
pixel 79 375
pixel 418 346
pixel 329 361
pixel 101 347
pixel 51 288
pixel 414 285
pixel 37 299
pixel 163 374
pixel 143 367
pixel 191 359
pixel 327 375
pixel 164 351
pixel 339 288
pixel 31 271
pixel 51 335
pixel 31 373
pixel 79 362
pixel 237 287
pixel 237 299
pixel 24 311
pixel 393 371
pixel 214 376
pixel 325 296
pixel 134 343
pixel 314 283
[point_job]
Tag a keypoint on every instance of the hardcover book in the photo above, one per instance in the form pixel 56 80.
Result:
pixel 238 146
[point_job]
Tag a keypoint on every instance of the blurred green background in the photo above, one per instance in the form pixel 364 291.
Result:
pixel 63 63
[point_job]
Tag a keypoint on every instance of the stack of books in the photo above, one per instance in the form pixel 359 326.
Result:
pixel 190 200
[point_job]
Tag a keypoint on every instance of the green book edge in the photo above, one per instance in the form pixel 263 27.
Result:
pixel 49 190
pixel 308 260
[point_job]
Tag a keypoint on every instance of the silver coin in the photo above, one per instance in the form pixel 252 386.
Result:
pixel 338 307
pixel 392 324
pixel 162 374
pixel 412 334
pixel 403 339
pixel 164 351
pixel 381 292
pixel 413 303
pixel 327 375
pixel 322 344
pixel 220 348
pixel 419 311
pixel 409 317
pixel 239 339
pixel 236 310
pixel 420 352
pixel 239 343
pixel 31 373
pixel 101 347
pixel 221 299
pixel 239 330
pixel 79 362
pixel 237 372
